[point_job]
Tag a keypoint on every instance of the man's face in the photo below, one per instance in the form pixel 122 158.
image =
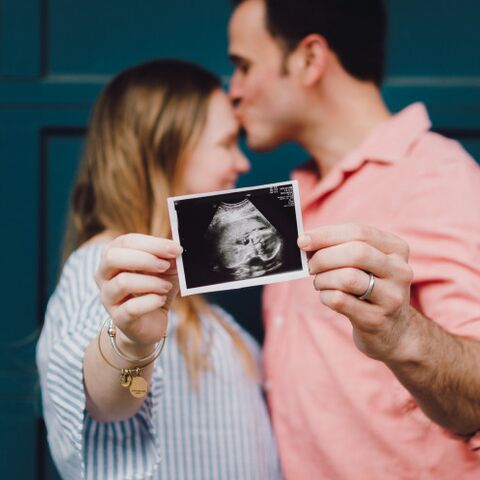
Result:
pixel 264 94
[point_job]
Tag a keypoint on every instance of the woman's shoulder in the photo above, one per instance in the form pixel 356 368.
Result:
pixel 76 290
pixel 78 272
pixel 87 253
pixel 84 259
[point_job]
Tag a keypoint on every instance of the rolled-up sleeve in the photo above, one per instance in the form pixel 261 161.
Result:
pixel 443 230
pixel 442 226
pixel 81 447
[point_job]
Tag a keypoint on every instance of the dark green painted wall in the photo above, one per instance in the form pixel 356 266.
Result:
pixel 55 55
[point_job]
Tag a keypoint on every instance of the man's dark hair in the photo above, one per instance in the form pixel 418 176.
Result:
pixel 354 29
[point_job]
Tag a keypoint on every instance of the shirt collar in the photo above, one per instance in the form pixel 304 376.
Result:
pixel 387 144
pixel 390 141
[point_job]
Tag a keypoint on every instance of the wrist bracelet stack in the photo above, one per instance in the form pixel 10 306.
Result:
pixel 130 377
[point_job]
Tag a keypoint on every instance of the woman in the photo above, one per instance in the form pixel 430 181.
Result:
pixel 116 405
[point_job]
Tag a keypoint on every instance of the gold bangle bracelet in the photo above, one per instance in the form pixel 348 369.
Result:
pixel 131 377
pixel 112 333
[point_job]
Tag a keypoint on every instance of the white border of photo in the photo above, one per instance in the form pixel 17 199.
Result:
pixel 234 284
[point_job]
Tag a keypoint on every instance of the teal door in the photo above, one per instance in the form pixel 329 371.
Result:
pixel 55 55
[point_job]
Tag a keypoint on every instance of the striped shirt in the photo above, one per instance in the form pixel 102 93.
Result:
pixel 218 430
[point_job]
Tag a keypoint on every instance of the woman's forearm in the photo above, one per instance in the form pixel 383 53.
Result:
pixel 138 284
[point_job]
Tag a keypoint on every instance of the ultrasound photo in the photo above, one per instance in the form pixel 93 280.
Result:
pixel 238 238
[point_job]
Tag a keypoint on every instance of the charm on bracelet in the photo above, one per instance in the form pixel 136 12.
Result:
pixel 130 378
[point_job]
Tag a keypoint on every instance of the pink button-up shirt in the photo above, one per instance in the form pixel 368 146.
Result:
pixel 338 414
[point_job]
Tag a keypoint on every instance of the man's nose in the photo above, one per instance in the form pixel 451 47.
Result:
pixel 234 90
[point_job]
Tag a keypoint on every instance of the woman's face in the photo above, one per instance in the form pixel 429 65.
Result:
pixel 216 161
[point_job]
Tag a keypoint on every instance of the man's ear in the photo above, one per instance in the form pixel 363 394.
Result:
pixel 312 57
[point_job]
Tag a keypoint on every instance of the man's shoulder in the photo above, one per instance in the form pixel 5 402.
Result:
pixel 442 177
pixel 440 150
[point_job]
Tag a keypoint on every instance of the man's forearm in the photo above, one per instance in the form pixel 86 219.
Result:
pixel 442 372
pixel 438 368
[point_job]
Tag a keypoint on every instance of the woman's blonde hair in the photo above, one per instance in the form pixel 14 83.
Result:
pixel 143 127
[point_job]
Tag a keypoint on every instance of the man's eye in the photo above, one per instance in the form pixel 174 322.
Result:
pixel 228 145
pixel 243 67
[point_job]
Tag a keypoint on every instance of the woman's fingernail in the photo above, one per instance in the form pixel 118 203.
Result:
pixel 303 241
pixel 163 265
pixel 175 250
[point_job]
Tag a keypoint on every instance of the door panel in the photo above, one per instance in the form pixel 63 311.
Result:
pixel 55 56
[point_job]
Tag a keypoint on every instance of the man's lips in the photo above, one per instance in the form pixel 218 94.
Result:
pixel 240 116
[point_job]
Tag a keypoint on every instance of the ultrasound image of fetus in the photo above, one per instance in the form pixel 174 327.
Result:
pixel 245 243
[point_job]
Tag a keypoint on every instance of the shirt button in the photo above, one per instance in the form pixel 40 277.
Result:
pixel 278 321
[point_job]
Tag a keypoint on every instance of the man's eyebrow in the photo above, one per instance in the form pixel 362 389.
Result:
pixel 234 58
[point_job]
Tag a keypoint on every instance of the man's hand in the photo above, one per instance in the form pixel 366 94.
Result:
pixel 438 368
pixel 341 258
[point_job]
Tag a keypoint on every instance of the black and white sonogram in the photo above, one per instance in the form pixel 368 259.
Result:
pixel 246 244
pixel 238 238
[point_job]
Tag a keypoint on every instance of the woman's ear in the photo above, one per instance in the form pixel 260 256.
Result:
pixel 312 55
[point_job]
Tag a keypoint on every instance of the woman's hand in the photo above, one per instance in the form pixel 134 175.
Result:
pixel 138 282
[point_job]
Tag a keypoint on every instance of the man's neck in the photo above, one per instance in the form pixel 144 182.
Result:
pixel 346 112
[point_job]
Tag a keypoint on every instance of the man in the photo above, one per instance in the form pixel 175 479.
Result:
pixel 373 373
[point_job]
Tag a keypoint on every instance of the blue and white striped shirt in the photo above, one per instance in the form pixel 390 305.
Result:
pixel 220 430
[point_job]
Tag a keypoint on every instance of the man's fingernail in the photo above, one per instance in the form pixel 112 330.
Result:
pixel 303 241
